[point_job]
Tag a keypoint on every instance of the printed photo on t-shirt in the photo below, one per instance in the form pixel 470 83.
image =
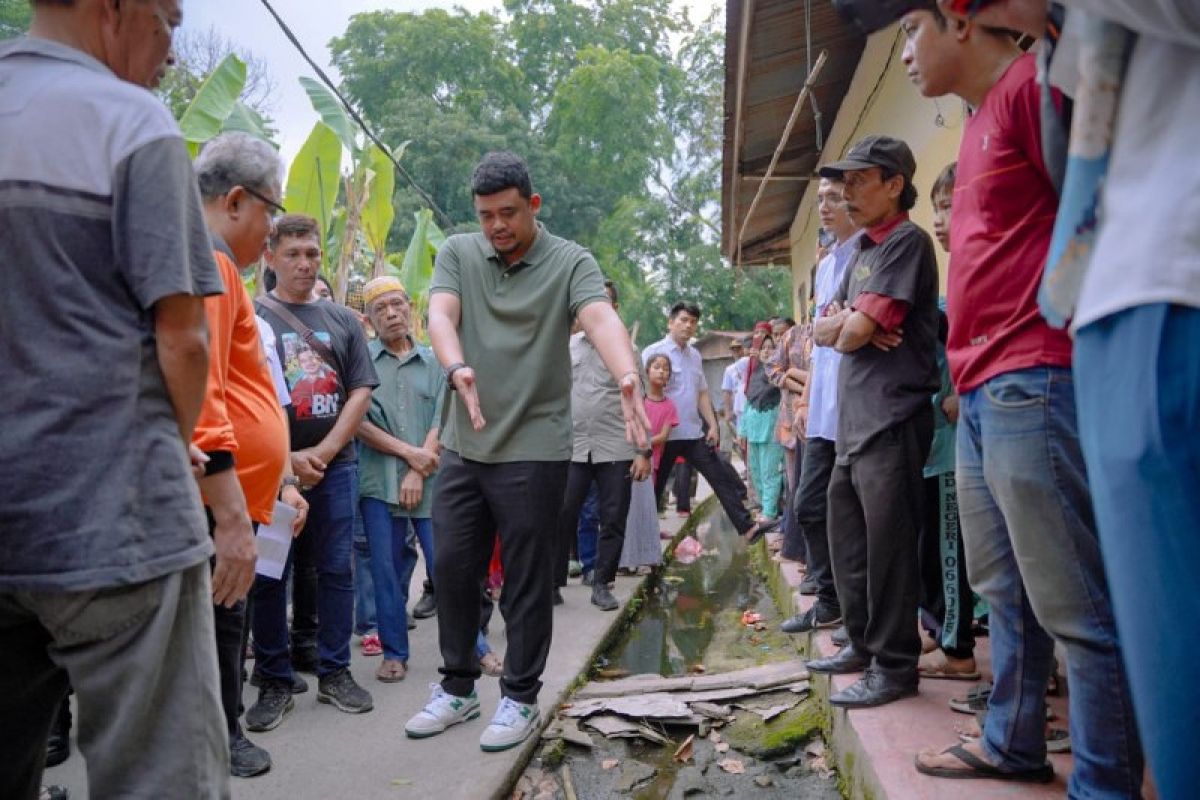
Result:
pixel 313 382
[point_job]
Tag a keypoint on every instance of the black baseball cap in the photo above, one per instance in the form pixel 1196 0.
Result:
pixel 874 151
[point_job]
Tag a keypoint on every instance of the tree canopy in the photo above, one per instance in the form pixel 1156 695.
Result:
pixel 615 104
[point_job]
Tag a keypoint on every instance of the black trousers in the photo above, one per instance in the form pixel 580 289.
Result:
pixel 684 477
pixel 794 546
pixel 304 597
pixel 613 486
pixel 812 511
pixel 725 483
pixel 875 513
pixel 946 599
pixel 231 633
pixel 520 500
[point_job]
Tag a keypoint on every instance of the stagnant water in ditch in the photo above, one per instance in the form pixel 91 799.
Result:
pixel 691 621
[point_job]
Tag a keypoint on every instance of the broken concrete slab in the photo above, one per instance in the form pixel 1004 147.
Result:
pixel 761 678
pixel 613 726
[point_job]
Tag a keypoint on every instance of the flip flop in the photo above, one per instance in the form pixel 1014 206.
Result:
pixel 981 769
pixel 760 529
pixel 391 671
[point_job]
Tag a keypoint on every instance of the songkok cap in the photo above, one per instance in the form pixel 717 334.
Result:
pixel 381 286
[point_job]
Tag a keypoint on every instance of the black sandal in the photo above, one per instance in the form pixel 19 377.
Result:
pixel 981 769
pixel 762 527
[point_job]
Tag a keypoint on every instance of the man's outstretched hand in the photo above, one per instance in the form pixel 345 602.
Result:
pixel 637 424
pixel 464 382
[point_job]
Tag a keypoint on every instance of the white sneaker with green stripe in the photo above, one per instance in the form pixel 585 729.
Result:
pixel 512 725
pixel 442 711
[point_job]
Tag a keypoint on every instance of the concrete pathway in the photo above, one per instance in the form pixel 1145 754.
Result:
pixel 319 752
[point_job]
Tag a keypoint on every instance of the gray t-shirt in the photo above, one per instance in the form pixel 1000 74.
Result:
pixel 514 330
pixel 878 389
pixel 99 220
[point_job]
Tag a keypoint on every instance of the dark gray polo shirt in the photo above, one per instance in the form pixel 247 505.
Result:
pixel 514 329
pixel 99 220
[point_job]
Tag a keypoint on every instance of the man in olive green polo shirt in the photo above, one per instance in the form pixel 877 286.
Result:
pixel 500 310
pixel 397 463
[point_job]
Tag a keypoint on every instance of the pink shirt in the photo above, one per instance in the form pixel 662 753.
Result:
pixel 662 413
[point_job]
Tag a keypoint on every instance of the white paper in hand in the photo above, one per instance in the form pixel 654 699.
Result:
pixel 274 541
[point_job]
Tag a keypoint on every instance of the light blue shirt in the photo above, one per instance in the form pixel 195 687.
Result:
pixel 684 388
pixel 822 395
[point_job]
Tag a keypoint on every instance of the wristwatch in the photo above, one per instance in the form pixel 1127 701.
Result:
pixel 450 370
pixel 291 480
pixel 647 453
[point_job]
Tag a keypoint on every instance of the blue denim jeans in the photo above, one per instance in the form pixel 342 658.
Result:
pixel 331 526
pixel 1033 554
pixel 364 584
pixel 393 559
pixel 589 529
pixel 1139 419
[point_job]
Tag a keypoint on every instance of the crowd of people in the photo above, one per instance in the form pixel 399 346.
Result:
pixel 928 460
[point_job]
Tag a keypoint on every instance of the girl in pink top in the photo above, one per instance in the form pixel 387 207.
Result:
pixel 659 408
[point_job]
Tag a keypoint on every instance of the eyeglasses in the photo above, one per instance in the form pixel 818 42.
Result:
pixel 266 200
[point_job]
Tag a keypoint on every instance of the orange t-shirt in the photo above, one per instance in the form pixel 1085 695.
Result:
pixel 241 411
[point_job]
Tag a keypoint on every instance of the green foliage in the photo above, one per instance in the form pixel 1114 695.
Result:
pixel 378 212
pixel 332 113
pixel 245 119
pixel 416 271
pixel 615 104
pixel 213 103
pixel 15 16
pixel 312 183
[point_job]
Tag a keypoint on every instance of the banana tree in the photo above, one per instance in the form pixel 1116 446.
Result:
pixel 216 107
pixel 367 189
pixel 415 269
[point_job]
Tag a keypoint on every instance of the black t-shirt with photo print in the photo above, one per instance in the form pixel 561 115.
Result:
pixel 319 389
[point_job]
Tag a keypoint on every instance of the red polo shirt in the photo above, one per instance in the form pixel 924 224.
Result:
pixel 1004 208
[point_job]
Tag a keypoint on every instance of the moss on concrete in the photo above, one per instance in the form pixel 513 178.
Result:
pixel 750 735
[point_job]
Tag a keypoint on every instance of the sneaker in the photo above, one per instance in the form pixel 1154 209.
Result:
pixel 442 711
pixel 274 700
pixel 371 645
pixel 819 616
pixel 574 568
pixel 341 691
pixel 426 607
pixel 299 685
pixel 511 725
pixel 246 759
pixel 603 599
pixel 589 577
pixel 974 701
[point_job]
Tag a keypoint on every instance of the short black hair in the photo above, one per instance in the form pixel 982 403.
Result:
pixel 945 181
pixel 684 305
pixel 500 170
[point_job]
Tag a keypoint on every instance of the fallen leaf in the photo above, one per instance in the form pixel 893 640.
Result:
pixel 751 617
pixel 697 669
pixel 609 763
pixel 401 782
pixel 732 766
pixel 763 781
pixel 683 753
pixel 721 747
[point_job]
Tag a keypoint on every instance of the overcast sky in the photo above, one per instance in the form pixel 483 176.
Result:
pixel 246 23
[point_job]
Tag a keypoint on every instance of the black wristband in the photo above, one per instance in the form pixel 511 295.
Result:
pixel 450 370
pixel 218 461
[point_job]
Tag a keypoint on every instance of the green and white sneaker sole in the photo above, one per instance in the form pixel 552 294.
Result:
pixel 433 729
pixel 507 743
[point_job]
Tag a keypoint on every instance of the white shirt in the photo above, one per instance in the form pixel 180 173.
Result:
pixel 822 395
pixel 267 335
pixel 684 388
pixel 1148 246
pixel 734 382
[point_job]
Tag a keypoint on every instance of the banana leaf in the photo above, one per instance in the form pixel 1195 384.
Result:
pixel 213 103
